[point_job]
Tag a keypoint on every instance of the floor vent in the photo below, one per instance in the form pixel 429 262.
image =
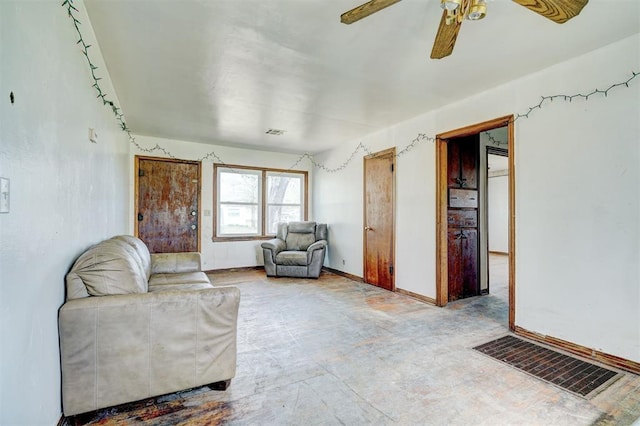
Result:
pixel 569 373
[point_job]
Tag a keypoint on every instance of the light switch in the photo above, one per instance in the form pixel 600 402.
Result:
pixel 4 195
pixel 93 135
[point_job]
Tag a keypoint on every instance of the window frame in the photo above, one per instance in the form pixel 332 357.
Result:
pixel 262 201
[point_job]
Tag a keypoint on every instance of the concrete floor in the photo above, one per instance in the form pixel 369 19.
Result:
pixel 335 351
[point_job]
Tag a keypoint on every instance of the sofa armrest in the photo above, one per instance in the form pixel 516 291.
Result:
pixel 276 245
pixel 122 348
pixel 169 263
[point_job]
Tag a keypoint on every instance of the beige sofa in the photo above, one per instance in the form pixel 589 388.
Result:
pixel 136 325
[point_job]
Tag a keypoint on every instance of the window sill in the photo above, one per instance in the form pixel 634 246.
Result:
pixel 245 238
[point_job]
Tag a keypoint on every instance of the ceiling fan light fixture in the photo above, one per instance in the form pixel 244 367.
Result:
pixel 451 18
pixel 477 10
pixel 450 4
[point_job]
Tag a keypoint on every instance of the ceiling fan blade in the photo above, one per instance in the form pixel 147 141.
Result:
pixel 559 11
pixel 365 10
pixel 445 38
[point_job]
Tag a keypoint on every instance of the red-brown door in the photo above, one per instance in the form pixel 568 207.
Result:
pixel 462 217
pixel 379 202
pixel 168 193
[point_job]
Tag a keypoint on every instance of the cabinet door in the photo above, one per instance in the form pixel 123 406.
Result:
pixel 469 262
pixel 454 257
pixel 462 227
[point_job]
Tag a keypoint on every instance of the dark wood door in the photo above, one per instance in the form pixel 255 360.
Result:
pixel 379 202
pixel 168 193
pixel 462 217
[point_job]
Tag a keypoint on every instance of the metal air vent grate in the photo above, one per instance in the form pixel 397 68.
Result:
pixel 275 132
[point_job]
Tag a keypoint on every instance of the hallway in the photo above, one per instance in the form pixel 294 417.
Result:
pixel 336 351
pixel 495 305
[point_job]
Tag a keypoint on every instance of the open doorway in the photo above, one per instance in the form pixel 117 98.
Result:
pixel 462 220
pixel 497 223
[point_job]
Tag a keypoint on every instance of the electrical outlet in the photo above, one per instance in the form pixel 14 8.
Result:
pixel 4 195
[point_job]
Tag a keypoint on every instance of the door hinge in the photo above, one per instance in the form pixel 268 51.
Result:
pixel 392 167
pixel 140 172
pixel 391 270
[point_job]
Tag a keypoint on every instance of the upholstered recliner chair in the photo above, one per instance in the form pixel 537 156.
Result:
pixel 297 251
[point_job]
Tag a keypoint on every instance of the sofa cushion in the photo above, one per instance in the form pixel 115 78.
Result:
pixel 141 250
pixel 179 287
pixel 159 280
pixel 292 258
pixel 110 267
pixel 175 263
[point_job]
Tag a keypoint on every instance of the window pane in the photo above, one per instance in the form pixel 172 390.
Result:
pixel 239 187
pixel 277 214
pixel 283 189
pixel 238 219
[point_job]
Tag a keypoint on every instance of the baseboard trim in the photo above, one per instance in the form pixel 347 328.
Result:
pixel 343 274
pixel 419 297
pixel 602 357
pixel 238 269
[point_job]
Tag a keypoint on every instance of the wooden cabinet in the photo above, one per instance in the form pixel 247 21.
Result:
pixel 462 217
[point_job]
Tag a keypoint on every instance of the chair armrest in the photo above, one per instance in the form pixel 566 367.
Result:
pixel 170 263
pixel 154 343
pixel 276 245
pixel 318 245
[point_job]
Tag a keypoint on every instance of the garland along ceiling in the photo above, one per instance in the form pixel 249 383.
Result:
pixel 225 72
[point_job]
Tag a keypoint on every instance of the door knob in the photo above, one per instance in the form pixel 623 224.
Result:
pixel 368 228
pixel 193 227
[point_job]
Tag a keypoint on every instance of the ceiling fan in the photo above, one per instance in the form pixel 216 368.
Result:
pixel 455 11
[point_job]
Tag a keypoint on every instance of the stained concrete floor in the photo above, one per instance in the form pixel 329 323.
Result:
pixel 334 351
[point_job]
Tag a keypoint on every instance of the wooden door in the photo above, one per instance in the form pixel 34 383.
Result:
pixel 167 204
pixel 462 217
pixel 379 219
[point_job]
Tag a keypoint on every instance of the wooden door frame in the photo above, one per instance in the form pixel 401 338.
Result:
pixel 442 285
pixel 136 193
pixel 393 213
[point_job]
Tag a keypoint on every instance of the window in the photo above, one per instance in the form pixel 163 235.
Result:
pixel 284 199
pixel 239 204
pixel 250 202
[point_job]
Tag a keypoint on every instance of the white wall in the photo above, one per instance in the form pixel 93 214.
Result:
pixel 66 193
pixel 578 214
pixel 220 255
pixel 498 213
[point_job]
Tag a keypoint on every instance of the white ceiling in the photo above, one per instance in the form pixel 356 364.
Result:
pixel 225 71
